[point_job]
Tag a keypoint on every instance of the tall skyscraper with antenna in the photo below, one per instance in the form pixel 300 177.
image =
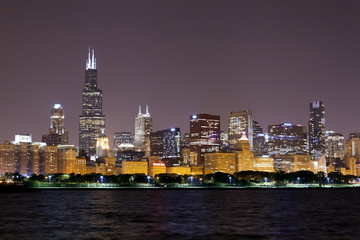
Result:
pixel 92 120
pixel 143 128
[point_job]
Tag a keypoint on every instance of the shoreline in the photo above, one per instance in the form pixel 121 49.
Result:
pixel 70 187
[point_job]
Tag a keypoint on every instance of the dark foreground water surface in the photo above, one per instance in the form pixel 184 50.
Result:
pixel 181 214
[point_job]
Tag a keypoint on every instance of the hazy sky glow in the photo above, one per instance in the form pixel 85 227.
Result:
pixel 180 57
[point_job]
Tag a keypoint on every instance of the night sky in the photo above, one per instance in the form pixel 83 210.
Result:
pixel 180 57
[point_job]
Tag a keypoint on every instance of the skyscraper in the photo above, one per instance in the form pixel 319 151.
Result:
pixel 259 144
pixel 316 129
pixel 143 128
pixel 334 145
pixel 57 133
pixel 239 123
pixel 166 143
pixel 92 120
pixel 286 139
pixel 204 135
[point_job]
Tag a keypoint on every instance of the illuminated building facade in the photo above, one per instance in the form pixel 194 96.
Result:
pixel 143 128
pixel 259 141
pixel 334 145
pixel 165 143
pixel 180 170
pixel 224 141
pixel 294 163
pixel 49 160
pixel 264 164
pixel 244 156
pixel 286 139
pixel 157 168
pixel 27 155
pixel 239 123
pixel 7 158
pixel 219 162
pixel 92 120
pixel 204 135
pixel 317 129
pixel 123 140
pixel 133 167
pixel 58 135
pixel 102 146
pixel 67 159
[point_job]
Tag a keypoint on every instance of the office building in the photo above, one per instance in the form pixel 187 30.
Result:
pixel 58 135
pixel 334 145
pixel 219 162
pixel 165 143
pixel 240 123
pixel 135 167
pixel 7 158
pixel 67 159
pixel 317 129
pixel 143 128
pixel 286 139
pixel 264 164
pixel 123 141
pixel 92 120
pixel 204 135
pixel 49 163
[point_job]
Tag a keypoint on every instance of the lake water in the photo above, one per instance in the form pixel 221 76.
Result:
pixel 181 214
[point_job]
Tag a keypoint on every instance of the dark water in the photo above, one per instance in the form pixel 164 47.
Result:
pixel 181 214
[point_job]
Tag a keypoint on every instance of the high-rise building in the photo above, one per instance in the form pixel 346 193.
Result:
pixel 165 143
pixel 240 123
pixel 317 129
pixel 92 120
pixel 123 139
pixel 49 160
pixel 7 158
pixel 286 139
pixel 354 135
pixel 67 159
pixel 204 135
pixel 334 145
pixel 259 142
pixel 224 141
pixel 58 135
pixel 143 128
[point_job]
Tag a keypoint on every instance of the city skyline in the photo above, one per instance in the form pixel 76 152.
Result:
pixel 197 62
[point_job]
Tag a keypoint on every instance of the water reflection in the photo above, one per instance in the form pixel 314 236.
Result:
pixel 181 214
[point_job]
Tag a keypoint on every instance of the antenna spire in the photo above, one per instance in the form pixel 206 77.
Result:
pixel 147 109
pixel 91 60
pixel 139 109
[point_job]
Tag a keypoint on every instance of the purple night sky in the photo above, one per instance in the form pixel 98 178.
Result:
pixel 180 57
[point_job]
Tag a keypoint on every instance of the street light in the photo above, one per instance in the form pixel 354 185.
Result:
pixel 101 178
pixel 148 178
pixel 191 179
pixel 230 180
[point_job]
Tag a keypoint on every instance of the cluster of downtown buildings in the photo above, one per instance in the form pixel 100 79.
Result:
pixel 205 149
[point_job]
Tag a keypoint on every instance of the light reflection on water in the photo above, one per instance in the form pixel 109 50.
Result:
pixel 181 214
